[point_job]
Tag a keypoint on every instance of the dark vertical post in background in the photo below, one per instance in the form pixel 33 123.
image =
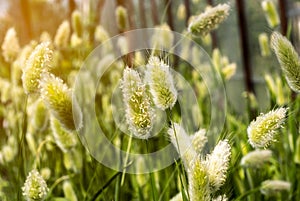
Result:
pixel 213 33
pixel 154 12
pixel 142 13
pixel 131 14
pixel 242 22
pixel 243 32
pixel 72 7
pixel 283 16
pixel 27 18
pixel 168 4
pixel 188 11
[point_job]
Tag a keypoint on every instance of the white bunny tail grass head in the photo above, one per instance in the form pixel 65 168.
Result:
pixel 262 130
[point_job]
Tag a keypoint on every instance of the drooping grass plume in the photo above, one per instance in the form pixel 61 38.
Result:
pixel 10 46
pixel 288 59
pixel 271 13
pixel 256 159
pixel 183 144
pixel 62 35
pixel 35 187
pixel 217 164
pixel 262 130
pixel 161 83
pixel 38 62
pixel 57 97
pixel 138 111
pixel 199 139
pixel 64 139
pixel 209 20
pixel 199 189
pixel 271 187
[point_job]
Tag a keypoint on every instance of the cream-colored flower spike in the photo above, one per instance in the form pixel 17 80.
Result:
pixel 220 198
pixel 57 97
pixel 161 83
pixel 217 164
pixel 183 144
pixel 138 111
pixel 199 189
pixel 262 130
pixel 288 59
pixel 10 46
pixel 37 63
pixel 256 159
pixel 271 187
pixel 64 139
pixel 35 187
pixel 271 13
pixel 199 139
pixel 209 20
pixel 62 35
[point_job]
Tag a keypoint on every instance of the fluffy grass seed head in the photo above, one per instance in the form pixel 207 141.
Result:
pixel 262 130
pixel 37 63
pixel 199 189
pixel 57 97
pixel 208 20
pixel 138 111
pixel 199 139
pixel 77 23
pixel 161 83
pixel 76 41
pixel 263 41
pixel 177 197
pixel 217 164
pixel 121 18
pixel 162 37
pixel 271 187
pixel 183 144
pixel 271 13
pixel 69 191
pixel 62 35
pixel 288 59
pixel 64 139
pixel 220 198
pixel 35 187
pixel 256 159
pixel 40 116
pixel 10 46
pixel 181 12
pixel 101 34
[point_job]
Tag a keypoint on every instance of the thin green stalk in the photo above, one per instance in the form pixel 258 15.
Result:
pixel 184 179
pixel 247 193
pixel 250 180
pixel 126 159
pixel 154 192
pixel 99 192
pixel 21 159
pixel 166 186
pixel 37 159
pixel 57 181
